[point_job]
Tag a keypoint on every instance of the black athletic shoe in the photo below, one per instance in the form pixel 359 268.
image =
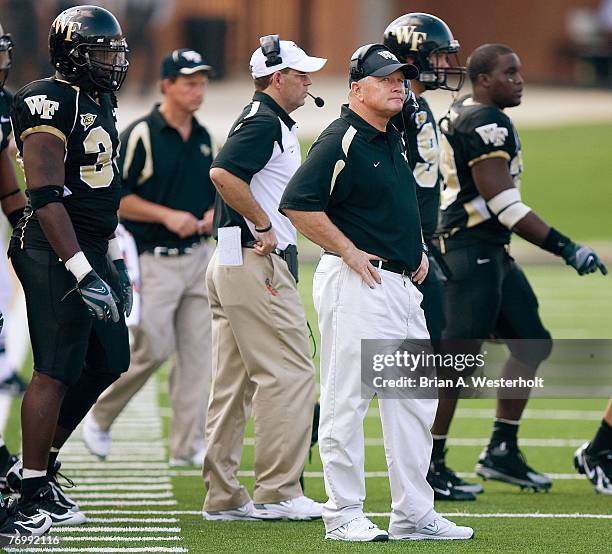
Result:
pixel 505 462
pixel 444 490
pixel 16 524
pixel 597 468
pixel 13 385
pixel 44 502
pixel 448 475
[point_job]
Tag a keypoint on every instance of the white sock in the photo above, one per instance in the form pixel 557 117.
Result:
pixel 33 473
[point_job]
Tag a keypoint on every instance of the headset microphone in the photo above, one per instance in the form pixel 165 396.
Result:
pixel 319 102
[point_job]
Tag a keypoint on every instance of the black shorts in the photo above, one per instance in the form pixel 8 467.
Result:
pixel 432 290
pixel 488 295
pixel 64 336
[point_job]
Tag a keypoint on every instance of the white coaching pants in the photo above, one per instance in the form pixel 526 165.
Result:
pixel 349 311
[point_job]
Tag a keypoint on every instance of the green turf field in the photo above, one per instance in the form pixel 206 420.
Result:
pixel 505 519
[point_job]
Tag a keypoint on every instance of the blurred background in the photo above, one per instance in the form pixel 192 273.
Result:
pixel 560 41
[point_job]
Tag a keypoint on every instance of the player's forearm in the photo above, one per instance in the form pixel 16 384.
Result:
pixel 58 229
pixel 12 198
pixel 237 195
pixel 135 208
pixel 317 227
pixel 532 228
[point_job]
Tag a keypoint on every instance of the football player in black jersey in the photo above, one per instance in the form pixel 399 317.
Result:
pixel 427 42
pixel 481 206
pixel 64 250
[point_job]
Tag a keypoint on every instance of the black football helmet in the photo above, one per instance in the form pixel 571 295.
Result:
pixel 415 38
pixel 6 45
pixel 87 47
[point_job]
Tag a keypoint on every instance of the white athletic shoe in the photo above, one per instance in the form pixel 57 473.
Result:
pixel 244 513
pixel 196 460
pixel 98 442
pixel 360 529
pixel 301 508
pixel 439 529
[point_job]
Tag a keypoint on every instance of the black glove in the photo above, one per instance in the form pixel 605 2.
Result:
pixel 98 297
pixel 582 258
pixel 125 286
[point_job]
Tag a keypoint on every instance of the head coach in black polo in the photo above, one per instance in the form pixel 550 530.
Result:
pixel 167 204
pixel 355 196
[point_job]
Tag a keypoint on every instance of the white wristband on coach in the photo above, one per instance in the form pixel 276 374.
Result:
pixel 78 265
pixel 114 251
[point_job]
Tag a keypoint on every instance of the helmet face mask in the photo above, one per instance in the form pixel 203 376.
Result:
pixel 419 38
pixel 87 47
pixel 6 46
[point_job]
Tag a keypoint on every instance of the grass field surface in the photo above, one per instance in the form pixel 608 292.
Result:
pixel 136 503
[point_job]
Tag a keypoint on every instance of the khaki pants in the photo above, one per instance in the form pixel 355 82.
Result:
pixel 175 319
pixel 261 355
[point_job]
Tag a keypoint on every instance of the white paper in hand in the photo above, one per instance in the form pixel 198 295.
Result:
pixel 229 247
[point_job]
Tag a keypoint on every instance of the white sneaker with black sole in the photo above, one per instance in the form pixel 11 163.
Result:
pixel 97 441
pixel 440 529
pixel 243 513
pixel 360 529
pixel 301 508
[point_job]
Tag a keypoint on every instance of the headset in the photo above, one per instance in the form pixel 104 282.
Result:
pixel 270 46
pixel 356 67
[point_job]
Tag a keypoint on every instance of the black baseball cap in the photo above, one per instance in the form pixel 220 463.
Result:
pixel 379 61
pixel 183 61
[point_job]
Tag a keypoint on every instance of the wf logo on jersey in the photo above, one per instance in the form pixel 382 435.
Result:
pixel 420 118
pixel 492 134
pixel 40 105
pixel 87 120
pixel 408 35
pixel 62 24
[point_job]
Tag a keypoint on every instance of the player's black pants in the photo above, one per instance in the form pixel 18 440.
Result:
pixel 488 296
pixel 68 345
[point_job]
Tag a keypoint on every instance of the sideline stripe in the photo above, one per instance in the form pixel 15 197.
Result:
pixel 101 550
pixel 576 515
pixel 120 539
pixel 128 529
pixel 112 502
pixel 122 487
pixel 119 496
pixel 132 519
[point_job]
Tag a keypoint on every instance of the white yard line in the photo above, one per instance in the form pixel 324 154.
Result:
pixel 110 549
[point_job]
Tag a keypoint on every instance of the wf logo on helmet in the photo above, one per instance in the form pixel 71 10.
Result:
pixel 62 24
pixel 407 34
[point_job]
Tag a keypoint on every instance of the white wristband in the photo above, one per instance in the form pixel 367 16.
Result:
pixel 78 265
pixel 114 251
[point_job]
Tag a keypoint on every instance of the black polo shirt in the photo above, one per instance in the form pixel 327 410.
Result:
pixel 360 178
pixel 158 165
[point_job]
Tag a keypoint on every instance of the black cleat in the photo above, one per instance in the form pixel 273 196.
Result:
pixel 505 462
pixel 597 468
pixel 444 490
pixel 4 486
pixel 13 523
pixel 448 475
pixel 44 502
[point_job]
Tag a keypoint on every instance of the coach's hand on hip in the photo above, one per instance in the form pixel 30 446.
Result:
pixel 265 243
pixel 359 261
pixel 419 275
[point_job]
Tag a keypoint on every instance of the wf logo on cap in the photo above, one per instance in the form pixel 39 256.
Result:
pixel 387 55
pixel 191 56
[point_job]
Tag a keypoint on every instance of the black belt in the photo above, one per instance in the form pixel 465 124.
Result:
pixel 171 251
pixel 277 251
pixel 387 266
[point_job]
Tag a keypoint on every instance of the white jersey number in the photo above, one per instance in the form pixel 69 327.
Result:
pixel 100 174
pixel 426 172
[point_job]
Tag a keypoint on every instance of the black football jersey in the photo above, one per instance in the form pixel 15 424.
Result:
pixel 474 132
pixel 92 185
pixel 421 138
pixel 5 118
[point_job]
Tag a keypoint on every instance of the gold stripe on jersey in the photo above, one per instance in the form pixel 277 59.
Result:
pixel 140 133
pixel 477 211
pixel 43 129
pixel 494 154
pixel 448 169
